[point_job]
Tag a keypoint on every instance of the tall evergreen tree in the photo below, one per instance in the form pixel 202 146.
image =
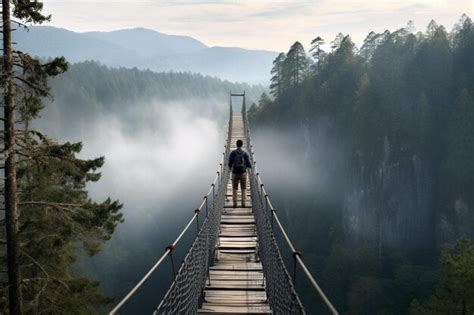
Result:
pixel 369 45
pixel 277 80
pixel 10 186
pixel 296 65
pixel 317 52
pixel 336 43
pixel 48 211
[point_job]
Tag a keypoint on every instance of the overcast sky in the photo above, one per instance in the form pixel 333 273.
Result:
pixel 259 24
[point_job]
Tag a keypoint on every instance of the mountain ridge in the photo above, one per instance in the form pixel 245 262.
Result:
pixel 148 49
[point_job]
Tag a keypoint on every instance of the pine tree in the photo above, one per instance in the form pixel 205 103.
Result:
pixel 336 43
pixel 277 83
pixel 296 64
pixel 431 29
pixel 48 211
pixel 317 52
pixel 369 45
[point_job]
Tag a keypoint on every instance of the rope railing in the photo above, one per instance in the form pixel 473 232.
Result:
pixel 266 215
pixel 207 231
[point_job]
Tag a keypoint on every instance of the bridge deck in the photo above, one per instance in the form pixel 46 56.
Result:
pixel 235 282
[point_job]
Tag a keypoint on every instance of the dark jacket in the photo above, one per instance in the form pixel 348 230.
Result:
pixel 239 151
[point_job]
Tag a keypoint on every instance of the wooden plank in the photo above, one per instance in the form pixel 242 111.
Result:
pixel 233 234
pixel 230 278
pixel 233 277
pixel 236 231
pixel 243 232
pixel 239 273
pixel 238 227
pixel 231 205
pixel 225 244
pixel 230 216
pixel 235 308
pixel 246 266
pixel 235 299
pixel 247 284
pixel 237 245
pixel 235 293
pixel 239 212
pixel 236 257
pixel 238 239
pixel 237 220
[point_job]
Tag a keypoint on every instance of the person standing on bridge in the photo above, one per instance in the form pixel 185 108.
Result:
pixel 239 161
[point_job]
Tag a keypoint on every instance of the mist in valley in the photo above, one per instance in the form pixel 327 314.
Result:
pixel 160 162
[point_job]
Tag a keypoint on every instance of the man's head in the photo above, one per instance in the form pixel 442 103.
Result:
pixel 239 143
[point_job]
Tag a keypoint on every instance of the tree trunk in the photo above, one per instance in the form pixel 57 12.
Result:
pixel 11 203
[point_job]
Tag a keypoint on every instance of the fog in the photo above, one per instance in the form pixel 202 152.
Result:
pixel 160 159
pixel 146 166
pixel 291 163
pixel 301 172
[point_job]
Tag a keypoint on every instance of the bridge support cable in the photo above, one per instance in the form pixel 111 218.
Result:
pixel 280 287
pixel 189 280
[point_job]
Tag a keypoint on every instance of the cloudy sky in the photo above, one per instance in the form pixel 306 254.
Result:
pixel 260 24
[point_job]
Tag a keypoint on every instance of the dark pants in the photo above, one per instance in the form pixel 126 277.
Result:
pixel 236 179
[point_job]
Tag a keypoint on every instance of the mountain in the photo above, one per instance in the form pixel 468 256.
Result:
pixel 46 41
pixel 149 43
pixel 147 49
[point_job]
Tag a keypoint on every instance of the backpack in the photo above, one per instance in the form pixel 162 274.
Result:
pixel 239 167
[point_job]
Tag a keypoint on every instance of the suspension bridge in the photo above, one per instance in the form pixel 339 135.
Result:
pixel 234 265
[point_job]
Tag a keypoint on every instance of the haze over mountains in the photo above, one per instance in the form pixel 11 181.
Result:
pixel 148 49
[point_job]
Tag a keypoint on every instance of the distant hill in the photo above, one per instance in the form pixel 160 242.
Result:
pixel 148 49
pixel 148 43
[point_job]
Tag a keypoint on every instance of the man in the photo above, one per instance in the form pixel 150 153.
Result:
pixel 239 161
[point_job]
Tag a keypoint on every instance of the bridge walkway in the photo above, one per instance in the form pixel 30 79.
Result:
pixel 235 283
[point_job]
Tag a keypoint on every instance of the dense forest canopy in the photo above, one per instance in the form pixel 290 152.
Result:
pixel 390 135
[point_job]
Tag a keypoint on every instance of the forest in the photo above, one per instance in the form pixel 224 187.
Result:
pixel 386 131
pixel 368 154
pixel 89 90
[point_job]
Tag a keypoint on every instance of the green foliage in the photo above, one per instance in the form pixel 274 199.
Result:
pixel 295 66
pixel 57 219
pixel 277 83
pixel 317 53
pixel 402 104
pixel 455 290
pixel 29 11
